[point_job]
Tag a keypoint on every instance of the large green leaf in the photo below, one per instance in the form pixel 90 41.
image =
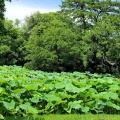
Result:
pixel 109 80
pixel 114 88
pixel 28 108
pixel 96 96
pixel 63 95
pixel 12 83
pixel 9 105
pixel 51 97
pixel 73 105
pixel 50 86
pixel 104 95
pixel 71 88
pixel 1 117
pixel 1 89
pixel 35 99
pixel 19 91
pixel 110 104
pixel 75 82
pixel 117 107
pixel 59 85
pixel 90 92
pixel 31 87
pixel 3 80
pixel 90 103
pixel 113 96
pixel 85 109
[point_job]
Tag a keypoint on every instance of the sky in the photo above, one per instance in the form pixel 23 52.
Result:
pixel 19 9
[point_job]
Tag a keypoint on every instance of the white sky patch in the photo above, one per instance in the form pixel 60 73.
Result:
pixel 16 11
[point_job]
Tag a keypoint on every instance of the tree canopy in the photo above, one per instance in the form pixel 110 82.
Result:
pixel 83 36
pixel 2 8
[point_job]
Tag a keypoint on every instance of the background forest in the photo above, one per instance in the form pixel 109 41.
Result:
pixel 83 36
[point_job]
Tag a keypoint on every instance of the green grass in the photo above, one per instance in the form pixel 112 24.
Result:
pixel 69 117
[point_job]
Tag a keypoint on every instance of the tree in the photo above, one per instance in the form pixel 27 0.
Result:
pixel 2 8
pixel 86 13
pixel 53 45
pixel 98 23
pixel 102 46
pixel 10 40
pixel 11 45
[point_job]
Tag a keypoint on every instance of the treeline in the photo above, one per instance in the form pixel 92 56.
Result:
pixel 83 36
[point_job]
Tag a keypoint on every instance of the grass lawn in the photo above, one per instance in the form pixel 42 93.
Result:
pixel 69 117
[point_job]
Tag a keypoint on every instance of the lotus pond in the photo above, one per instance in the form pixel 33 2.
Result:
pixel 26 92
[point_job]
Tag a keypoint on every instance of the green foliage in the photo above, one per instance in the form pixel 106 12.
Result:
pixel 83 36
pixel 98 22
pixel 24 92
pixel 11 45
pixel 2 8
pixel 51 44
pixel 102 52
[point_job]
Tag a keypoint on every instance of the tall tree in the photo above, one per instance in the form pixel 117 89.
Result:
pixel 53 44
pixel 2 8
pixel 102 46
pixel 98 23
pixel 87 12
pixel 11 45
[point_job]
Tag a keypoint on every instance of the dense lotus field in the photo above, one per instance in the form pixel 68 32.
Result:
pixel 24 92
